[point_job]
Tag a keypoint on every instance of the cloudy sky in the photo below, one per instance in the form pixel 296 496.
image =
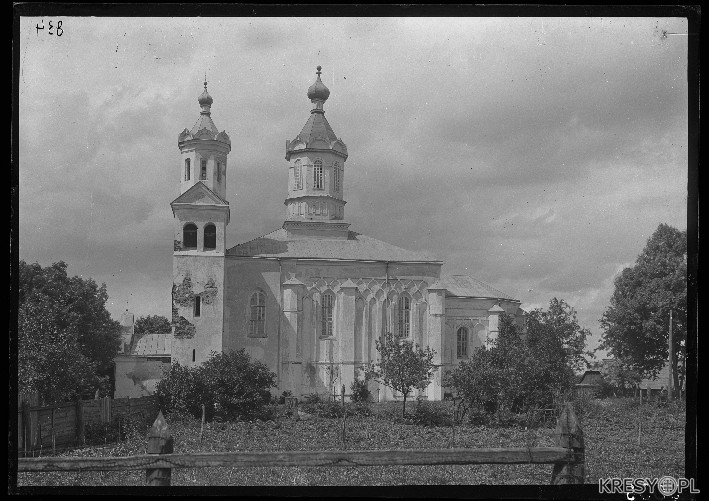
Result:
pixel 537 154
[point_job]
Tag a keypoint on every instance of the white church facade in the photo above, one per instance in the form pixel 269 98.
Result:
pixel 310 298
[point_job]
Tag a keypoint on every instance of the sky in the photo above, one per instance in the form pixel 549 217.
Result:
pixel 536 154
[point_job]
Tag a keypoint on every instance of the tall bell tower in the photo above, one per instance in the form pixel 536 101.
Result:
pixel 201 215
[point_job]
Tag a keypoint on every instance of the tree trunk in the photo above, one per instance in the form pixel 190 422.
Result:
pixel 403 414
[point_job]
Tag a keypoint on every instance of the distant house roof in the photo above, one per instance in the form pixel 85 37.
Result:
pixel 590 377
pixel 356 247
pixel 152 345
pixel 465 286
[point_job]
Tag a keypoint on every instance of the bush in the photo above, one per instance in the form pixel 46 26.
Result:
pixel 229 384
pixel 360 409
pixel 282 398
pixel 431 414
pixel 359 391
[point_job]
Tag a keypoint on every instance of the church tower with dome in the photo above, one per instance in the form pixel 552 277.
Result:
pixel 310 299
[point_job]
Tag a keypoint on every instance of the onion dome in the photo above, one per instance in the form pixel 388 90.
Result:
pixel 205 99
pixel 318 91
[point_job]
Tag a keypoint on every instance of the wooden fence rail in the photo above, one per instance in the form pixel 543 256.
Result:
pixel 567 456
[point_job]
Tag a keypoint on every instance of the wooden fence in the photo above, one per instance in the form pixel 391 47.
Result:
pixel 567 456
pixel 65 423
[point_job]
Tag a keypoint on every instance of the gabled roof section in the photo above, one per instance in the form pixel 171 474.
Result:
pixel 356 247
pixel 200 194
pixel 465 286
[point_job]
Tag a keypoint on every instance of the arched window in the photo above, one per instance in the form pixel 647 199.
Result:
pixel 462 351
pixel 404 316
pixel 203 171
pixel 328 301
pixel 210 237
pixel 336 175
pixel 187 169
pixel 189 236
pixel 298 175
pixel 317 175
pixel 257 319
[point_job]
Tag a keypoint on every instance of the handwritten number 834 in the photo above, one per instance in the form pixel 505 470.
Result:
pixel 59 31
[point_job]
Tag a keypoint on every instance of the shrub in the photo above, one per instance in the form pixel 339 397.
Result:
pixel 182 389
pixel 359 391
pixel 229 384
pixel 360 409
pixel 282 398
pixel 431 414
pixel 238 385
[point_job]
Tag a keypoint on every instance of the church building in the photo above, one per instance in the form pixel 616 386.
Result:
pixel 310 298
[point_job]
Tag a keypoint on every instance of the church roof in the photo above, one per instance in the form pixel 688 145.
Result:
pixel 465 286
pixel 152 345
pixel 317 126
pixel 356 247
pixel 204 122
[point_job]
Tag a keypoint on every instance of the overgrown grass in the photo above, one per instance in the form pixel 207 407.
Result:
pixel 608 427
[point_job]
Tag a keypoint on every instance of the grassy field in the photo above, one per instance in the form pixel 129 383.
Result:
pixel 610 427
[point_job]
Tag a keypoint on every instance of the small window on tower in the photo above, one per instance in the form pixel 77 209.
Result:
pixel 298 174
pixel 210 237
pixel 219 172
pixel 197 306
pixel 187 169
pixel 336 175
pixel 203 171
pixel 189 236
pixel 317 175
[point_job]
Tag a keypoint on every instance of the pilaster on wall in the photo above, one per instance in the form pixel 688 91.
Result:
pixel 436 338
pixel 346 331
pixel 291 352
pixel 493 323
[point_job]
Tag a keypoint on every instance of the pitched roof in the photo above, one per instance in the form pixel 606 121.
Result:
pixel 199 193
pixel 465 286
pixel 355 247
pixel 317 126
pixel 152 345
pixel 204 122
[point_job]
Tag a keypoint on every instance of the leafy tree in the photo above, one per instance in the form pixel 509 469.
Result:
pixel 182 389
pixel 153 324
pixel 519 371
pixel 617 377
pixel 402 366
pixel 636 324
pixel 61 315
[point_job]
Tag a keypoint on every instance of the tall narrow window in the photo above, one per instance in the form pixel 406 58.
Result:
pixel 317 175
pixel 257 319
pixel 462 350
pixel 197 306
pixel 187 169
pixel 210 237
pixel 189 236
pixel 194 355
pixel 219 172
pixel 336 176
pixel 404 316
pixel 328 302
pixel 298 175
pixel 203 171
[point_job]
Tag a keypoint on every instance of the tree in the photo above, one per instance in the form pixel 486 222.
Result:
pixel 403 366
pixel 519 372
pixel 617 377
pixel 153 324
pixel 636 323
pixel 65 333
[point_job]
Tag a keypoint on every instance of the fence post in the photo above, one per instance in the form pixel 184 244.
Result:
pixel 159 442
pixel 569 435
pixel 26 425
